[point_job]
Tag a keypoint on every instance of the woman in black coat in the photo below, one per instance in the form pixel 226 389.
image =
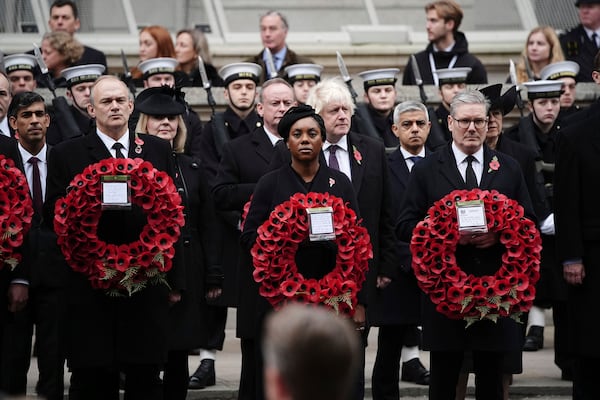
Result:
pixel 304 133
pixel 160 115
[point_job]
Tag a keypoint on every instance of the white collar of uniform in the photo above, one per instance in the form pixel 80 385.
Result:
pixel 590 32
pixel 109 142
pixel 406 154
pixel 342 144
pixel 273 138
pixel 460 156
pixel 26 155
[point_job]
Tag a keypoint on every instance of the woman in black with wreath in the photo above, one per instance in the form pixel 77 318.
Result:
pixel 304 134
pixel 161 115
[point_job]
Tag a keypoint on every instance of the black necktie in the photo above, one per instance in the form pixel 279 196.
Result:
pixel 333 161
pixel 595 39
pixel 38 200
pixel 470 178
pixel 117 147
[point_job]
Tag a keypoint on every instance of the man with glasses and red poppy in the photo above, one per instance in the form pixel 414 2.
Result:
pixel 466 163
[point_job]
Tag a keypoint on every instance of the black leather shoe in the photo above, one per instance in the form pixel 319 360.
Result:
pixel 204 375
pixel 415 372
pixel 534 340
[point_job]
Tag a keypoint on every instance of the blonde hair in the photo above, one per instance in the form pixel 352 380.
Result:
pixel 329 91
pixel 67 46
pixel 180 136
pixel 556 53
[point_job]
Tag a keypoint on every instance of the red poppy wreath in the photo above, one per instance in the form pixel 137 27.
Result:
pixel 16 211
pixel 278 240
pixel 458 295
pixel 126 268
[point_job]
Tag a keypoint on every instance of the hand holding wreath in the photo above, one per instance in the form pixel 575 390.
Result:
pixel 125 268
pixel 507 293
pixel 278 240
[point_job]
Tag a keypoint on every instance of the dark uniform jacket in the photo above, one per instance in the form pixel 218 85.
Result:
pixel 577 46
pixel 442 60
pixel 430 180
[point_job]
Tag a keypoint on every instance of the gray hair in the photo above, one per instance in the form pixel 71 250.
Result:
pixel 469 96
pixel 408 106
pixel 272 82
pixel 277 13
pixel 328 91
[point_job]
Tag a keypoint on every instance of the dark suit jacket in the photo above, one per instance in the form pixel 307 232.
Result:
pixel 398 303
pixel 290 58
pixel 430 180
pixel 43 261
pixel 137 325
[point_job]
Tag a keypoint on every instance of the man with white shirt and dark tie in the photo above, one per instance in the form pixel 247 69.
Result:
pixel 5 97
pixel 465 163
pixel 95 362
pixel 395 308
pixel 273 33
pixel 363 160
pixel 36 296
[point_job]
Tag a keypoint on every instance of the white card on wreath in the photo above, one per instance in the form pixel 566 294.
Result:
pixel 320 223
pixel 471 216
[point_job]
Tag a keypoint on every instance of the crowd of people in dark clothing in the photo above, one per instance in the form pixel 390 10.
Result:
pixel 285 130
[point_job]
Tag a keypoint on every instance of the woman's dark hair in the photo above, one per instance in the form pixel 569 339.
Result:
pixel 296 113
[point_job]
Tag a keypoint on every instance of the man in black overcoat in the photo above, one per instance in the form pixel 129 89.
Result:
pixel 395 308
pixel 478 253
pixel 107 335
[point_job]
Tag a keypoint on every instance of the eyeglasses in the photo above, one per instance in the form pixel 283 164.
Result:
pixel 408 124
pixel 466 123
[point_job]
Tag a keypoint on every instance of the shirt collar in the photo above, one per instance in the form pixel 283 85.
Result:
pixel 342 144
pixel 406 154
pixel 273 138
pixel 460 156
pixel 26 155
pixel 109 142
